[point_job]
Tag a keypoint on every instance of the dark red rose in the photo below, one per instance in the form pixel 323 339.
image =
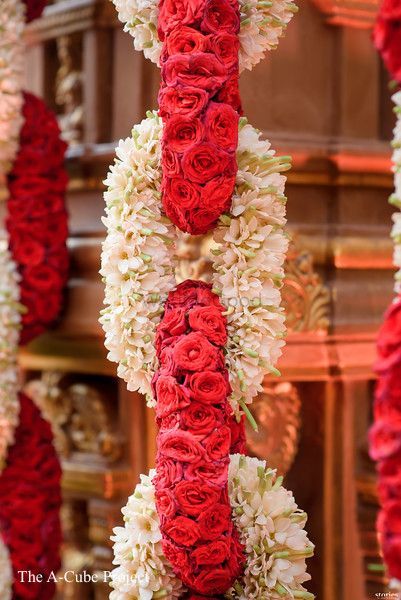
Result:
pixel 42 278
pixel 185 40
pixel 170 396
pixel 199 419
pixel 182 531
pixel 213 472
pixel 180 445
pixel 221 123
pixel 201 70
pixel 385 438
pixel 229 94
pixel 174 322
pixel 220 16
pixel 193 352
pixel 194 497
pixel 169 472
pixel 214 522
pixel 209 321
pixel 177 556
pixel 213 553
pixel 171 163
pixel 226 47
pixel 181 194
pixel 185 100
pixel 212 581
pixel 203 162
pixel 166 503
pixel 210 387
pixel 26 251
pixel 175 13
pixel 218 443
pixel 181 133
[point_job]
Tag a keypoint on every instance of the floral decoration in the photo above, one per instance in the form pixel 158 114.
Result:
pixel 193 444
pixel 262 24
pixel 387 38
pixel 395 198
pixel 12 21
pixel 10 322
pixel 37 218
pixel 32 531
pixel 199 103
pixel 270 525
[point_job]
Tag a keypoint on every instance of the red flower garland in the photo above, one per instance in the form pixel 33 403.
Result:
pixel 30 504
pixel 385 437
pixel 191 388
pixel 387 36
pixel 34 9
pixel 199 103
pixel 37 218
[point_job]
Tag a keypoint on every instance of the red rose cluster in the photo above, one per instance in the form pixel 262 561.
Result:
pixel 387 36
pixel 199 103
pixel 191 389
pixel 30 504
pixel 385 437
pixel 34 9
pixel 37 218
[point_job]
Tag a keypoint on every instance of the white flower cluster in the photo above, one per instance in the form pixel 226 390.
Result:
pixel 6 574
pixel 271 528
pixel 395 198
pixel 270 525
pixel 143 572
pixel 138 255
pixel 248 265
pixel 12 23
pixel 262 25
pixel 10 319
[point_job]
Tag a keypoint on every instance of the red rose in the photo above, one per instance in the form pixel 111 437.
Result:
pixel 387 37
pixel 238 438
pixel 194 497
pixel 171 163
pixel 170 396
pixel 210 387
pixel 186 100
pixel 185 40
pixel 229 94
pixel 213 581
pixel 181 133
pixel 389 520
pixel 180 445
pixel 170 422
pixel 166 504
pixel 169 472
pixel 181 194
pixel 221 123
pixel 392 552
pixel 220 16
pixel 173 13
pixel 199 419
pixel 213 472
pixel 390 479
pixel 174 322
pixel 226 47
pixel 182 531
pixel 209 321
pixel 213 553
pixel 177 556
pixel 214 522
pixel 202 70
pixel 204 161
pixel 389 338
pixel 27 251
pixel 193 352
pixel 385 438
pixel 218 443
pixel 42 278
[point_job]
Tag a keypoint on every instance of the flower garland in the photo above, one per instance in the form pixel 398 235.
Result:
pixel 10 322
pixel 191 389
pixel 32 531
pixel 386 36
pixel 199 102
pixel 138 260
pixel 37 219
pixel 269 523
pixel 6 574
pixel 12 21
pixel 261 26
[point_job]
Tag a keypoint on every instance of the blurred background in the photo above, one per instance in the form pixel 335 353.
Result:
pixel 322 97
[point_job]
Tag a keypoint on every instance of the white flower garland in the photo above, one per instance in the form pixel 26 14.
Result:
pixel 138 261
pixel 248 265
pixel 10 319
pixel 12 23
pixel 6 573
pixel 143 571
pixel 395 198
pixel 270 525
pixel 262 25
pixel 138 255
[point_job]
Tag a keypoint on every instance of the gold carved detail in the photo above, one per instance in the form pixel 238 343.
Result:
pixel 79 416
pixel 305 298
pixel 69 87
pixel 351 13
pixel 277 412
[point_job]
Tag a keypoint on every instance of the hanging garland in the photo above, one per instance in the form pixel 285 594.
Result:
pixel 385 434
